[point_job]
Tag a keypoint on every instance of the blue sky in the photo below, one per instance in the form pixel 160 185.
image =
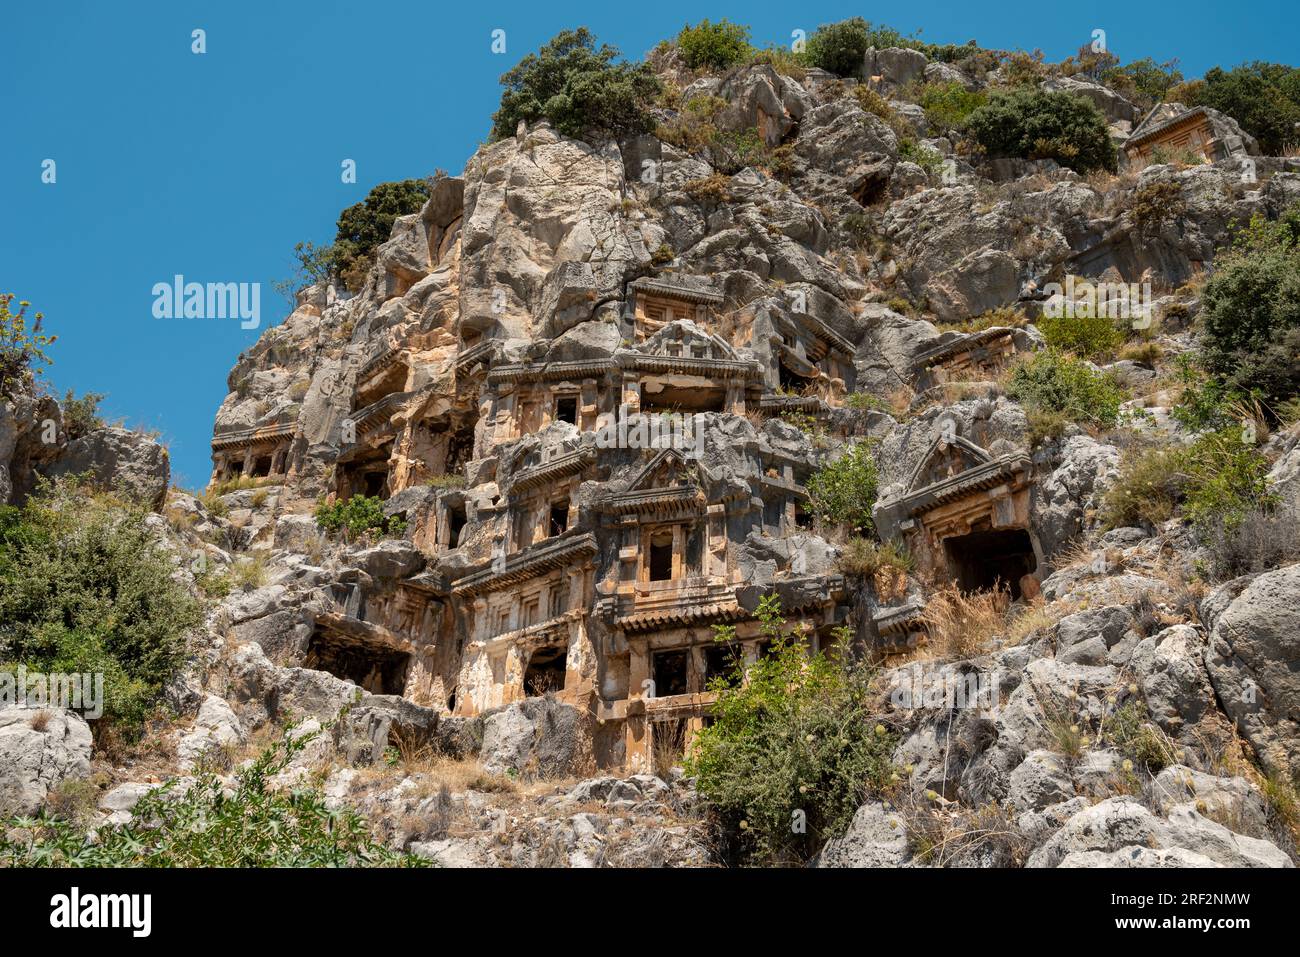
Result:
pixel 214 165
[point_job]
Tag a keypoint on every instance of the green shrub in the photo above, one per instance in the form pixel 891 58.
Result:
pixel 1034 124
pixel 843 492
pixel 1156 203
pixel 1219 480
pixel 314 264
pixel 362 227
pixel 794 747
pixel 1226 478
pixel 784 61
pixel 85 586
pixel 205 826
pixel 1263 97
pixel 1144 81
pixel 840 47
pixel 1251 312
pixel 714 46
pixel 1052 381
pixel 949 105
pixel 357 516
pixel 694 128
pixel 578 88
pixel 929 160
pixel 1087 336
pixel 81 415
pixel 22 347
pixel 1148 489
pixel 1130 730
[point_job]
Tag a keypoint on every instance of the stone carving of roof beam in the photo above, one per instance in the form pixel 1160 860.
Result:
pixel 377 414
pixel 557 468
pixel 551 371
pixel 988 475
pixel 967 343
pixel 269 434
pixel 1188 118
pixel 531 562
pixel 642 501
pixel 709 368
pixel 482 352
pixel 826 334
pixel 672 290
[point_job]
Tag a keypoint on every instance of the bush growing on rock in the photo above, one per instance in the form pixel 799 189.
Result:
pixel 1219 480
pixel 578 88
pixel 1263 97
pixel 314 264
pixel 1144 81
pixel 357 516
pixel 714 46
pixel 81 415
pixel 949 105
pixel 362 227
pixel 843 492
pixel 22 345
pixel 204 826
pixel 793 742
pixel 839 48
pixel 1251 313
pixel 1054 383
pixel 86 586
pixel 1089 334
pixel 1036 124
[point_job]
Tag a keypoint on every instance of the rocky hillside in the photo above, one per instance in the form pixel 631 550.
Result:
pixel 975 416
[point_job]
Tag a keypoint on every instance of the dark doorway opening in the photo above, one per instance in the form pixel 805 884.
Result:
pixel 559 518
pixel 566 409
pixel 375 668
pixel 789 381
pixel 376 484
pixel 720 660
pixel 669 671
pixel 545 672
pixel 990 559
pixel 661 555
pixel 455 524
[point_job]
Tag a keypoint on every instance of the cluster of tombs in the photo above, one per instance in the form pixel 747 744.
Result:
pixel 559 563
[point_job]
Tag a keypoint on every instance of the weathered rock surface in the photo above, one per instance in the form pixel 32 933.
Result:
pixel 39 749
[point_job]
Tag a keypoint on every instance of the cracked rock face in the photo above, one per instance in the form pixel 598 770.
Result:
pixel 39 749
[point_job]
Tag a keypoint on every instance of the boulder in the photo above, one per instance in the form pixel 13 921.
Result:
pixel 1039 781
pixel 1060 502
pixel 1122 825
pixel 118 459
pixel 536 736
pixel 1254 663
pixel 876 838
pixel 39 748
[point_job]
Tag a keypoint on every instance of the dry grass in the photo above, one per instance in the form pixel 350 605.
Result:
pixel 40 721
pixel 940 836
pixel 885 564
pixel 963 626
pixel 1035 616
